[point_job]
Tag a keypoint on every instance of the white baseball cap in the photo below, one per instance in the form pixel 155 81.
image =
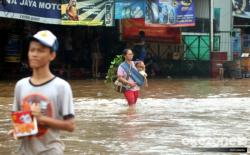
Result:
pixel 46 38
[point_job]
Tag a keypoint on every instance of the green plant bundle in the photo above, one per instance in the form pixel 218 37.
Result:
pixel 112 71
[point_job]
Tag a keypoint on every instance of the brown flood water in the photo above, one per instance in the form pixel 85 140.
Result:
pixel 169 114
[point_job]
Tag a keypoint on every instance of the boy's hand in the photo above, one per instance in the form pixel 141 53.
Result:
pixel 13 134
pixel 35 110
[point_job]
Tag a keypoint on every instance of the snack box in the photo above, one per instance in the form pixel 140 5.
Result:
pixel 24 123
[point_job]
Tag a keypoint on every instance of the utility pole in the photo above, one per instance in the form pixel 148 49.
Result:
pixel 211 25
pixel 231 57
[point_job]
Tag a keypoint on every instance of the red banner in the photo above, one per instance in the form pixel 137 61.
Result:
pixel 132 27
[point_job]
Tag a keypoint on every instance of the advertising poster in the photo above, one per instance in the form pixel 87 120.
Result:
pixel 175 13
pixel 241 8
pixel 88 12
pixel 125 9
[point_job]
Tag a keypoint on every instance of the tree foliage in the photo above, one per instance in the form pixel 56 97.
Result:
pixel 112 71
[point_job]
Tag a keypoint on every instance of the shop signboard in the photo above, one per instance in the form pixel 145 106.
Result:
pixel 175 13
pixel 86 12
pixel 125 9
pixel 241 8
pixel 44 11
pixel 132 27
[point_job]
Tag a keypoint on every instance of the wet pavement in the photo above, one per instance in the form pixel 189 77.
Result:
pixel 172 117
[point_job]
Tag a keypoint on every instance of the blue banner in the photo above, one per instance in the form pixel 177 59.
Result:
pixel 125 9
pixel 175 13
pixel 44 11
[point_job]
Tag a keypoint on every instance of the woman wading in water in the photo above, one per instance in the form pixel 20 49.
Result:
pixel 127 74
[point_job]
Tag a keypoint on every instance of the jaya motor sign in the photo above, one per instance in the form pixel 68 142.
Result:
pixel 44 11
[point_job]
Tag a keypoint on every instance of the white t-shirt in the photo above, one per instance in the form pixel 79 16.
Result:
pixel 56 101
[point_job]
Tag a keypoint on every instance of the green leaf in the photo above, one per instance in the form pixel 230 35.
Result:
pixel 111 74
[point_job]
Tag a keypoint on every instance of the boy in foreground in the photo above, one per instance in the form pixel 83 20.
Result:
pixel 48 97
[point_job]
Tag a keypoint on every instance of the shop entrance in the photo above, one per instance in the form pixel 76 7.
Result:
pixel 84 52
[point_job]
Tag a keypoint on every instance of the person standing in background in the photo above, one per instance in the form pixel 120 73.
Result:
pixel 96 57
pixel 68 50
pixel 140 47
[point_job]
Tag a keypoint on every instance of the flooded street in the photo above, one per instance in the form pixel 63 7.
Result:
pixel 170 114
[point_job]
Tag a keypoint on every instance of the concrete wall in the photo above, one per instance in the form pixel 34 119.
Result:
pixel 225 14
pixel 201 8
pixel 225 25
pixel 202 11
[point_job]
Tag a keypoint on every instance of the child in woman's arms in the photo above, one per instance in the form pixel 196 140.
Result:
pixel 142 70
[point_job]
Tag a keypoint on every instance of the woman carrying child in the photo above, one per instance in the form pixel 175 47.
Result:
pixel 130 76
